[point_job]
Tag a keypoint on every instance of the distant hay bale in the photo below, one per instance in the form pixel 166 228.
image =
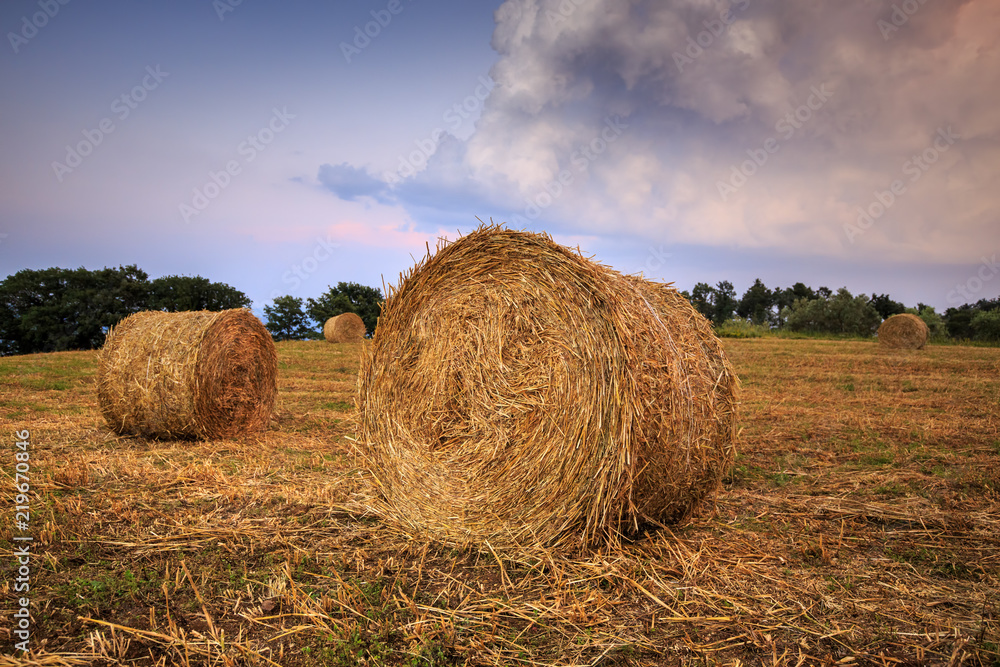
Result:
pixel 519 393
pixel 344 328
pixel 199 374
pixel 904 331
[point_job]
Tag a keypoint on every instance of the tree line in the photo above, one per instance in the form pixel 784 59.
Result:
pixel 801 308
pixel 292 318
pixel 51 310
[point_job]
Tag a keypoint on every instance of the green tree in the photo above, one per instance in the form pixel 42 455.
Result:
pixel 785 298
pixel 802 291
pixel 701 299
pixel 756 304
pixel 723 302
pixel 958 321
pixel 286 320
pixel 885 306
pixel 51 310
pixel 934 321
pixel 985 325
pixel 841 313
pixel 347 298
pixel 988 304
pixel 178 293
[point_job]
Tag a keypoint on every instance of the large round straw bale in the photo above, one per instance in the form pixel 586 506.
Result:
pixel 344 328
pixel 193 374
pixel 519 393
pixel 904 331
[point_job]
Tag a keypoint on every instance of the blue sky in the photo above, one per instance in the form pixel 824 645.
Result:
pixel 281 149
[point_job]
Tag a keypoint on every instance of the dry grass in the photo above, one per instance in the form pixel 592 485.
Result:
pixel 516 392
pixel 904 331
pixel 860 526
pixel 344 328
pixel 198 374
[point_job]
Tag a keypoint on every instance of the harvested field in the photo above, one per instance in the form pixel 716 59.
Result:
pixel 860 525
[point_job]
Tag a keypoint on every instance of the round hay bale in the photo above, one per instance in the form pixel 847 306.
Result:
pixel 196 374
pixel 519 393
pixel 344 328
pixel 904 331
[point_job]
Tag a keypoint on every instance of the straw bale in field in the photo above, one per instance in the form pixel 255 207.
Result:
pixel 344 328
pixel 519 393
pixel 904 331
pixel 193 374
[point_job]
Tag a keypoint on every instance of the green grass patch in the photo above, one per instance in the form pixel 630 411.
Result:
pixel 876 460
pixel 741 329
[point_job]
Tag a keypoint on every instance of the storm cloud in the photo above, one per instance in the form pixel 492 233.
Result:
pixel 854 129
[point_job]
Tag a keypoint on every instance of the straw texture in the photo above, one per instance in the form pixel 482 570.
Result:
pixel 344 328
pixel 904 331
pixel 193 374
pixel 518 393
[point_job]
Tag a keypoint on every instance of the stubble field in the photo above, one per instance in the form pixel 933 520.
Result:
pixel 860 525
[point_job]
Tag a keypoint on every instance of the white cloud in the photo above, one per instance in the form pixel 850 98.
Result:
pixel 692 119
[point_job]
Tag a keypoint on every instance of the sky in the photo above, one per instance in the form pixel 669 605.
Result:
pixel 284 147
